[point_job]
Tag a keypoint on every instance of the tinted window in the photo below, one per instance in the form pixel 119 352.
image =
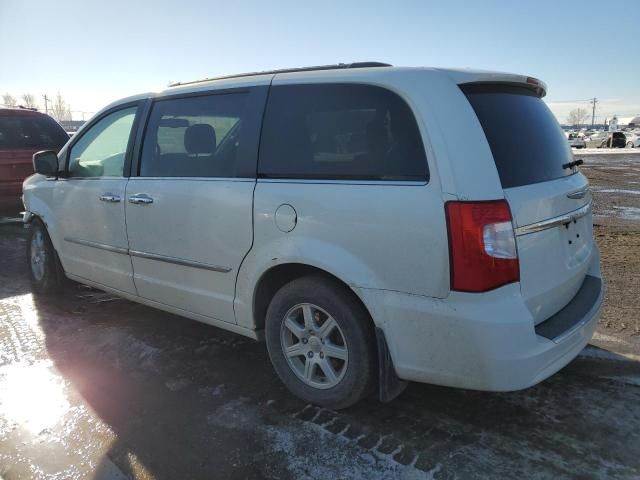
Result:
pixel 203 136
pixel 526 140
pixel 101 150
pixel 30 131
pixel 337 131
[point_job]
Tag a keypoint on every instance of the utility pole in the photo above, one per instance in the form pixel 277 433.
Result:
pixel 594 100
pixel 46 106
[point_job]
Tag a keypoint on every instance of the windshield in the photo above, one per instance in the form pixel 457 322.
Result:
pixel 526 140
pixel 33 132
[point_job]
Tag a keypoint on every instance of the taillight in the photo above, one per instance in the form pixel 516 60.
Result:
pixel 482 245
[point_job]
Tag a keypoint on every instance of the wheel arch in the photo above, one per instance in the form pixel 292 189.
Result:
pixel 277 276
pixel 389 386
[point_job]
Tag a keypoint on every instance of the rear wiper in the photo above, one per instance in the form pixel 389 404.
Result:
pixel 575 163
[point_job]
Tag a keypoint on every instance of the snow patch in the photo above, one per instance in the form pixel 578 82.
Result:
pixel 311 452
pixel 617 190
pixel 632 380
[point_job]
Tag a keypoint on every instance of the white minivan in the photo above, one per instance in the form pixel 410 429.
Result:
pixel 375 225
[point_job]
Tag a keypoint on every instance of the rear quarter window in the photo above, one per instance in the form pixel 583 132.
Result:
pixel 526 141
pixel 340 132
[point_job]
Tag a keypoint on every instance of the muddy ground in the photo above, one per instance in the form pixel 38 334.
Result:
pixel 615 183
pixel 94 387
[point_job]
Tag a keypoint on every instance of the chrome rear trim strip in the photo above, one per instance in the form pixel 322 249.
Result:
pixel 101 246
pixel 179 261
pixel 554 222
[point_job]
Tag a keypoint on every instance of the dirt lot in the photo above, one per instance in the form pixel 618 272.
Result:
pixel 615 182
pixel 94 387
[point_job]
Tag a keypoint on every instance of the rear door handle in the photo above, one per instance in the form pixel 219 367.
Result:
pixel 110 197
pixel 140 199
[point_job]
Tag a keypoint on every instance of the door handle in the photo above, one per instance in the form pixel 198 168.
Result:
pixel 140 199
pixel 110 197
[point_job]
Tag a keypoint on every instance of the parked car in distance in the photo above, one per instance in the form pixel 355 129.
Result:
pixel 22 133
pixel 334 213
pixel 594 139
pixel 575 140
pixel 632 139
pixel 614 140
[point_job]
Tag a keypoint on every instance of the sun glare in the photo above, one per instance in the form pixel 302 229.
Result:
pixel 32 396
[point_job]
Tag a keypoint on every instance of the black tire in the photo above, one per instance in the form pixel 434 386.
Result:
pixel 360 372
pixel 51 278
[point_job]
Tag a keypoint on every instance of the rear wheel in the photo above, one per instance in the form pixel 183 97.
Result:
pixel 629 144
pixel 321 342
pixel 45 271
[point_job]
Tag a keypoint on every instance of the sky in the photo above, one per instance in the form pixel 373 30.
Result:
pixel 94 52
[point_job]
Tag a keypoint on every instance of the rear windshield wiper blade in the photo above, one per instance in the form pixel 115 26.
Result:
pixel 575 163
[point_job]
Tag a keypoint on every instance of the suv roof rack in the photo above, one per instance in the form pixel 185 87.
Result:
pixel 337 66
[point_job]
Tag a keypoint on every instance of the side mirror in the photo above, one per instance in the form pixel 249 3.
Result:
pixel 45 162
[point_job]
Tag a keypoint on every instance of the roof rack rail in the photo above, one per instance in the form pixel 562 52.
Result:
pixel 337 66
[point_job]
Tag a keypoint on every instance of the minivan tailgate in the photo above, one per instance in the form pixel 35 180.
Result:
pixel 554 238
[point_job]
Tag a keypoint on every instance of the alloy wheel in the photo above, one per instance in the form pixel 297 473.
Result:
pixel 314 346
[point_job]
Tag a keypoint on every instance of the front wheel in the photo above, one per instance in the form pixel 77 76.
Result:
pixel 45 271
pixel 321 342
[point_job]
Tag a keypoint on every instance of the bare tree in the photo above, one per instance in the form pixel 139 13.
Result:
pixel 577 116
pixel 60 110
pixel 9 100
pixel 29 100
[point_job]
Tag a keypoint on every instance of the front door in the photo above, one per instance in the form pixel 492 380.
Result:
pixel 189 212
pixel 90 203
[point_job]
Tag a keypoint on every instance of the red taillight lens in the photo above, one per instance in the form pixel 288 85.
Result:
pixel 482 245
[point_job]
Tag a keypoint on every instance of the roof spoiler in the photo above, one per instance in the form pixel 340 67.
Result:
pixel 462 77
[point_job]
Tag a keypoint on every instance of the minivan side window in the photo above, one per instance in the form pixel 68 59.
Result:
pixel 340 132
pixel 198 136
pixel 101 150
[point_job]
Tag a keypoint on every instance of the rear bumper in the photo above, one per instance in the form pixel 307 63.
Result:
pixel 486 341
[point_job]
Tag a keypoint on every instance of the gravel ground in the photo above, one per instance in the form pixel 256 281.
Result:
pixel 95 387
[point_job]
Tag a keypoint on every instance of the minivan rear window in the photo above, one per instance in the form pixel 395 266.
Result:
pixel 340 132
pixel 37 132
pixel 526 140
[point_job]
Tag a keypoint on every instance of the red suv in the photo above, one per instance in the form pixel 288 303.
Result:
pixel 22 133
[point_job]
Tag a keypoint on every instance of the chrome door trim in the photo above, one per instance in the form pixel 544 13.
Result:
pixel 101 246
pixel 555 221
pixel 179 261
